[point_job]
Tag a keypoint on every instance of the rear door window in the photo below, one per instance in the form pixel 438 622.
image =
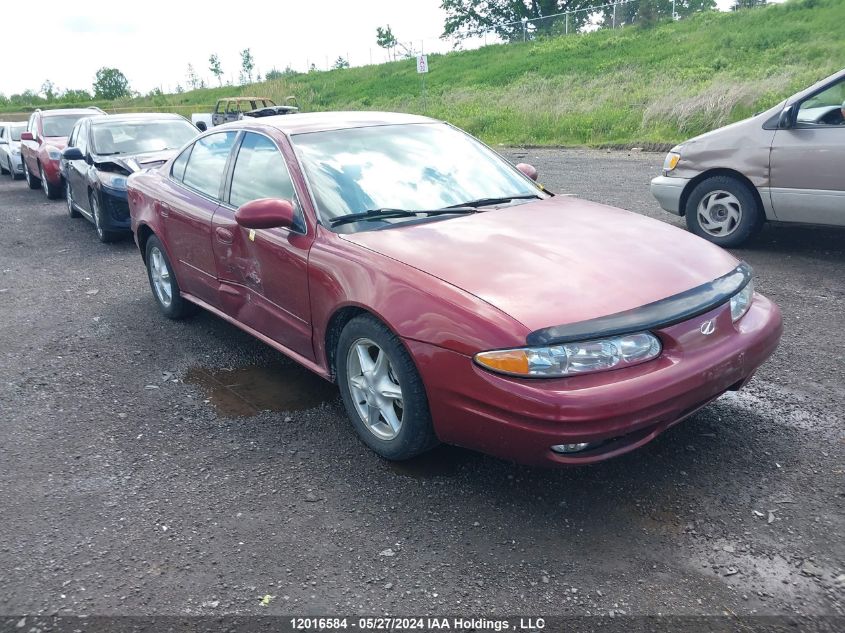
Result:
pixel 207 163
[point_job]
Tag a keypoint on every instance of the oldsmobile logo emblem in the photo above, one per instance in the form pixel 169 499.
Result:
pixel 707 328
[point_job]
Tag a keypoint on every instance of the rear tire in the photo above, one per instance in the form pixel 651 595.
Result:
pixel 724 210
pixel 31 180
pixel 163 282
pixel 382 390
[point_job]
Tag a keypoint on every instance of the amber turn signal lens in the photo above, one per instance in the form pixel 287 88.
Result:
pixel 506 361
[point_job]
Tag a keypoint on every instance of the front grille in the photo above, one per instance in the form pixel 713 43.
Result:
pixel 118 209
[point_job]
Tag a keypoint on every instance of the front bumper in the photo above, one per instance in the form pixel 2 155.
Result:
pixel 114 204
pixel 53 171
pixel 668 192
pixel 521 419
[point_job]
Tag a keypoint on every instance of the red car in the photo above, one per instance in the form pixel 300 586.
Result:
pixel 42 144
pixel 451 297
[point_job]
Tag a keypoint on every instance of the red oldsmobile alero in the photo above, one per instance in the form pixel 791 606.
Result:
pixel 451 297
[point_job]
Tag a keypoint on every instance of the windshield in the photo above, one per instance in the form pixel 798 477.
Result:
pixel 16 131
pixel 416 166
pixel 138 137
pixel 60 125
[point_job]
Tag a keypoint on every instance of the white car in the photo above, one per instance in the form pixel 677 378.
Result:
pixel 10 148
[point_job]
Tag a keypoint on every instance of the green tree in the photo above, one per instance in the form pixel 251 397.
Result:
pixel 386 40
pixel 76 96
pixel 273 74
pixel 215 68
pixel 747 4
pixel 110 83
pixel 48 89
pixel 193 80
pixel 247 64
pixel 513 20
pixel 647 12
pixel 340 62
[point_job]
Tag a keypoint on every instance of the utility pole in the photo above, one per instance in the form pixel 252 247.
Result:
pixel 614 14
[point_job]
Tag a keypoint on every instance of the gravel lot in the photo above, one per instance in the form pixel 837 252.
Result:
pixel 133 482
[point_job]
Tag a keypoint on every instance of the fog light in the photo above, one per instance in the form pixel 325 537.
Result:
pixel 570 448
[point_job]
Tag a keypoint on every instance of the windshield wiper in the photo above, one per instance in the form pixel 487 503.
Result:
pixel 378 214
pixel 108 153
pixel 484 202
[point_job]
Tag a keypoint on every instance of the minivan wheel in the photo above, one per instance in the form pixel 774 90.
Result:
pixel 163 282
pixel 724 211
pixel 382 390
pixel 31 180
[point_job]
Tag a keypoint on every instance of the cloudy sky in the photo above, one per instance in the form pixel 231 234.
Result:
pixel 153 41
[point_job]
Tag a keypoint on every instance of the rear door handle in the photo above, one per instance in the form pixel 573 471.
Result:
pixel 224 236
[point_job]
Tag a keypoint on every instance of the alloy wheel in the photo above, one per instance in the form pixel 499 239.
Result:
pixel 95 211
pixel 719 213
pixel 69 197
pixel 44 184
pixel 160 275
pixel 375 390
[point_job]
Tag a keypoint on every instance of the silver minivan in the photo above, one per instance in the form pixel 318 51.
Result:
pixel 786 164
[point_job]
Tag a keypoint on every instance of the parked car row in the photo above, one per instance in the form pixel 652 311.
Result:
pixel 450 296
pixel 86 155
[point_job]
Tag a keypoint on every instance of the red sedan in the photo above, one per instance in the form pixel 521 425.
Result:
pixel 451 297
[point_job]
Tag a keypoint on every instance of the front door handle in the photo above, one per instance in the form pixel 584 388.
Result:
pixel 225 236
pixel 164 209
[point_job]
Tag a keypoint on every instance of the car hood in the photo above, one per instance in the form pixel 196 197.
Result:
pixel 557 261
pixel 136 162
pixel 59 142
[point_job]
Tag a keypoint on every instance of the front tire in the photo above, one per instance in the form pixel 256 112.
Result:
pixel 71 210
pixel 723 210
pixel 31 180
pixel 382 390
pixel 6 169
pixel 104 235
pixel 51 191
pixel 163 282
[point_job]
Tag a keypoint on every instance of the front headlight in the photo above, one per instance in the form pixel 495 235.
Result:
pixel 568 359
pixel 741 301
pixel 112 180
pixel 671 161
pixel 53 153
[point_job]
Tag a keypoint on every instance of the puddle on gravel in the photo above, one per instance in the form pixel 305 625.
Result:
pixel 247 391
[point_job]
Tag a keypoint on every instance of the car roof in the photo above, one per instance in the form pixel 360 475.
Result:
pixel 137 117
pixel 300 123
pixel 60 111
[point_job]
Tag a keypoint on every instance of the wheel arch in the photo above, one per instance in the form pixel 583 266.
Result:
pixel 338 320
pixel 143 233
pixel 720 171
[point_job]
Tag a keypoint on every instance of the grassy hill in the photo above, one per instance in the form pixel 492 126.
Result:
pixel 626 86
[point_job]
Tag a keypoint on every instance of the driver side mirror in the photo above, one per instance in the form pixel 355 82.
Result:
pixel 785 119
pixel 528 170
pixel 27 136
pixel 72 153
pixel 266 213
